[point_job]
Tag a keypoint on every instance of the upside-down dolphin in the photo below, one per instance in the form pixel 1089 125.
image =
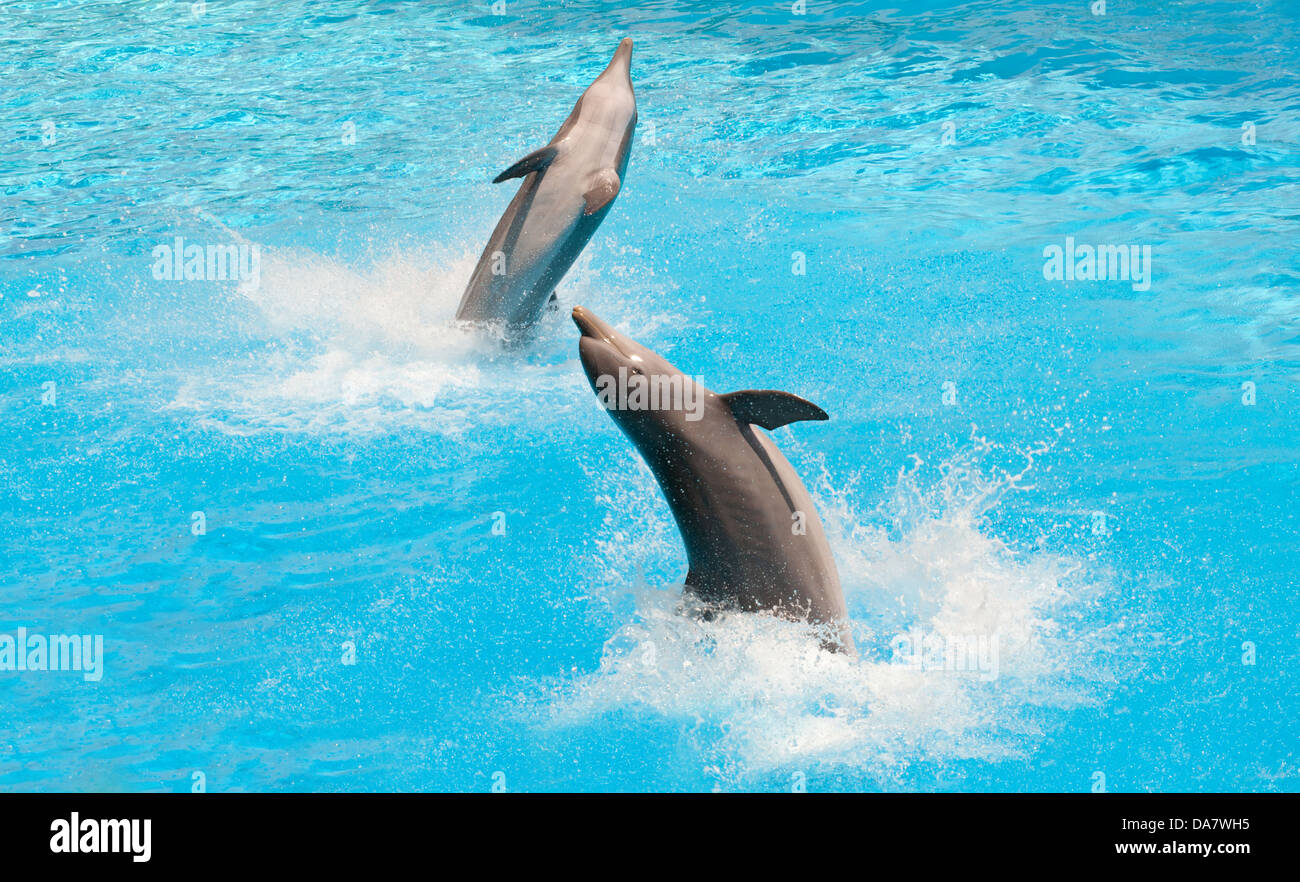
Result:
pixel 569 186
pixel 753 538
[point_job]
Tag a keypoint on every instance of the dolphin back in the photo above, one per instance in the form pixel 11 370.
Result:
pixel 753 537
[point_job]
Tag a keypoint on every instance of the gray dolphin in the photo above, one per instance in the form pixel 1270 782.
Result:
pixel 753 538
pixel 569 186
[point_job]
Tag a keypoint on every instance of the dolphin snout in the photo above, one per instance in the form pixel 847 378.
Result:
pixel 623 54
pixel 591 325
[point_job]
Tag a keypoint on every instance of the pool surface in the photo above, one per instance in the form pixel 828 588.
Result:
pixel 332 542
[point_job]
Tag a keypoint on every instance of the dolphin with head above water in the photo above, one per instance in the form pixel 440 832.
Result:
pixel 568 188
pixel 753 538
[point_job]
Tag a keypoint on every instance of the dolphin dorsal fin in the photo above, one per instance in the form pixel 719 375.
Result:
pixel 535 161
pixel 771 409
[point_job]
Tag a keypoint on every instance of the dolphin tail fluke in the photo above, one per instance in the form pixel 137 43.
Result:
pixel 771 409
pixel 535 161
pixel 605 185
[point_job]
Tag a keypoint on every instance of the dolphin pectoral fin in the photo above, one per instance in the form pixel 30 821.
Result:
pixel 771 409
pixel 604 187
pixel 535 161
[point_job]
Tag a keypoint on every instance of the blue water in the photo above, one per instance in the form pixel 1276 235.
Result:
pixel 1069 466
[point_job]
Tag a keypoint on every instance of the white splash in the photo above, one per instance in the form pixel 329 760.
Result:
pixel 756 695
pixel 365 350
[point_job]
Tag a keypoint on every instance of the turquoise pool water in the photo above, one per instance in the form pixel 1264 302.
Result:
pixel 275 498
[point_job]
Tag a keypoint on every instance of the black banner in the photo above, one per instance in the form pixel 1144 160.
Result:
pixel 299 831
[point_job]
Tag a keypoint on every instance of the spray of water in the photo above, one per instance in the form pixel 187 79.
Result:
pixel 756 695
pixel 365 350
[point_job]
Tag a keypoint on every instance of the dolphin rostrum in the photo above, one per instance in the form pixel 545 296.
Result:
pixel 753 538
pixel 569 186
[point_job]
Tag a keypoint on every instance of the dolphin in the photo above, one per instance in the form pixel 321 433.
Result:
pixel 568 188
pixel 752 535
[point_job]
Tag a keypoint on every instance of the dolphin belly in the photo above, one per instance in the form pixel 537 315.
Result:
pixel 533 246
pixel 568 187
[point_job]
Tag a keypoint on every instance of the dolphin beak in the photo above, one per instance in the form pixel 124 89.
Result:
pixel 597 329
pixel 592 326
pixel 598 348
pixel 622 59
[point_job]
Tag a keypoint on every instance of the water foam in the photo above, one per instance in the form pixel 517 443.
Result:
pixel 756 695
pixel 366 348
